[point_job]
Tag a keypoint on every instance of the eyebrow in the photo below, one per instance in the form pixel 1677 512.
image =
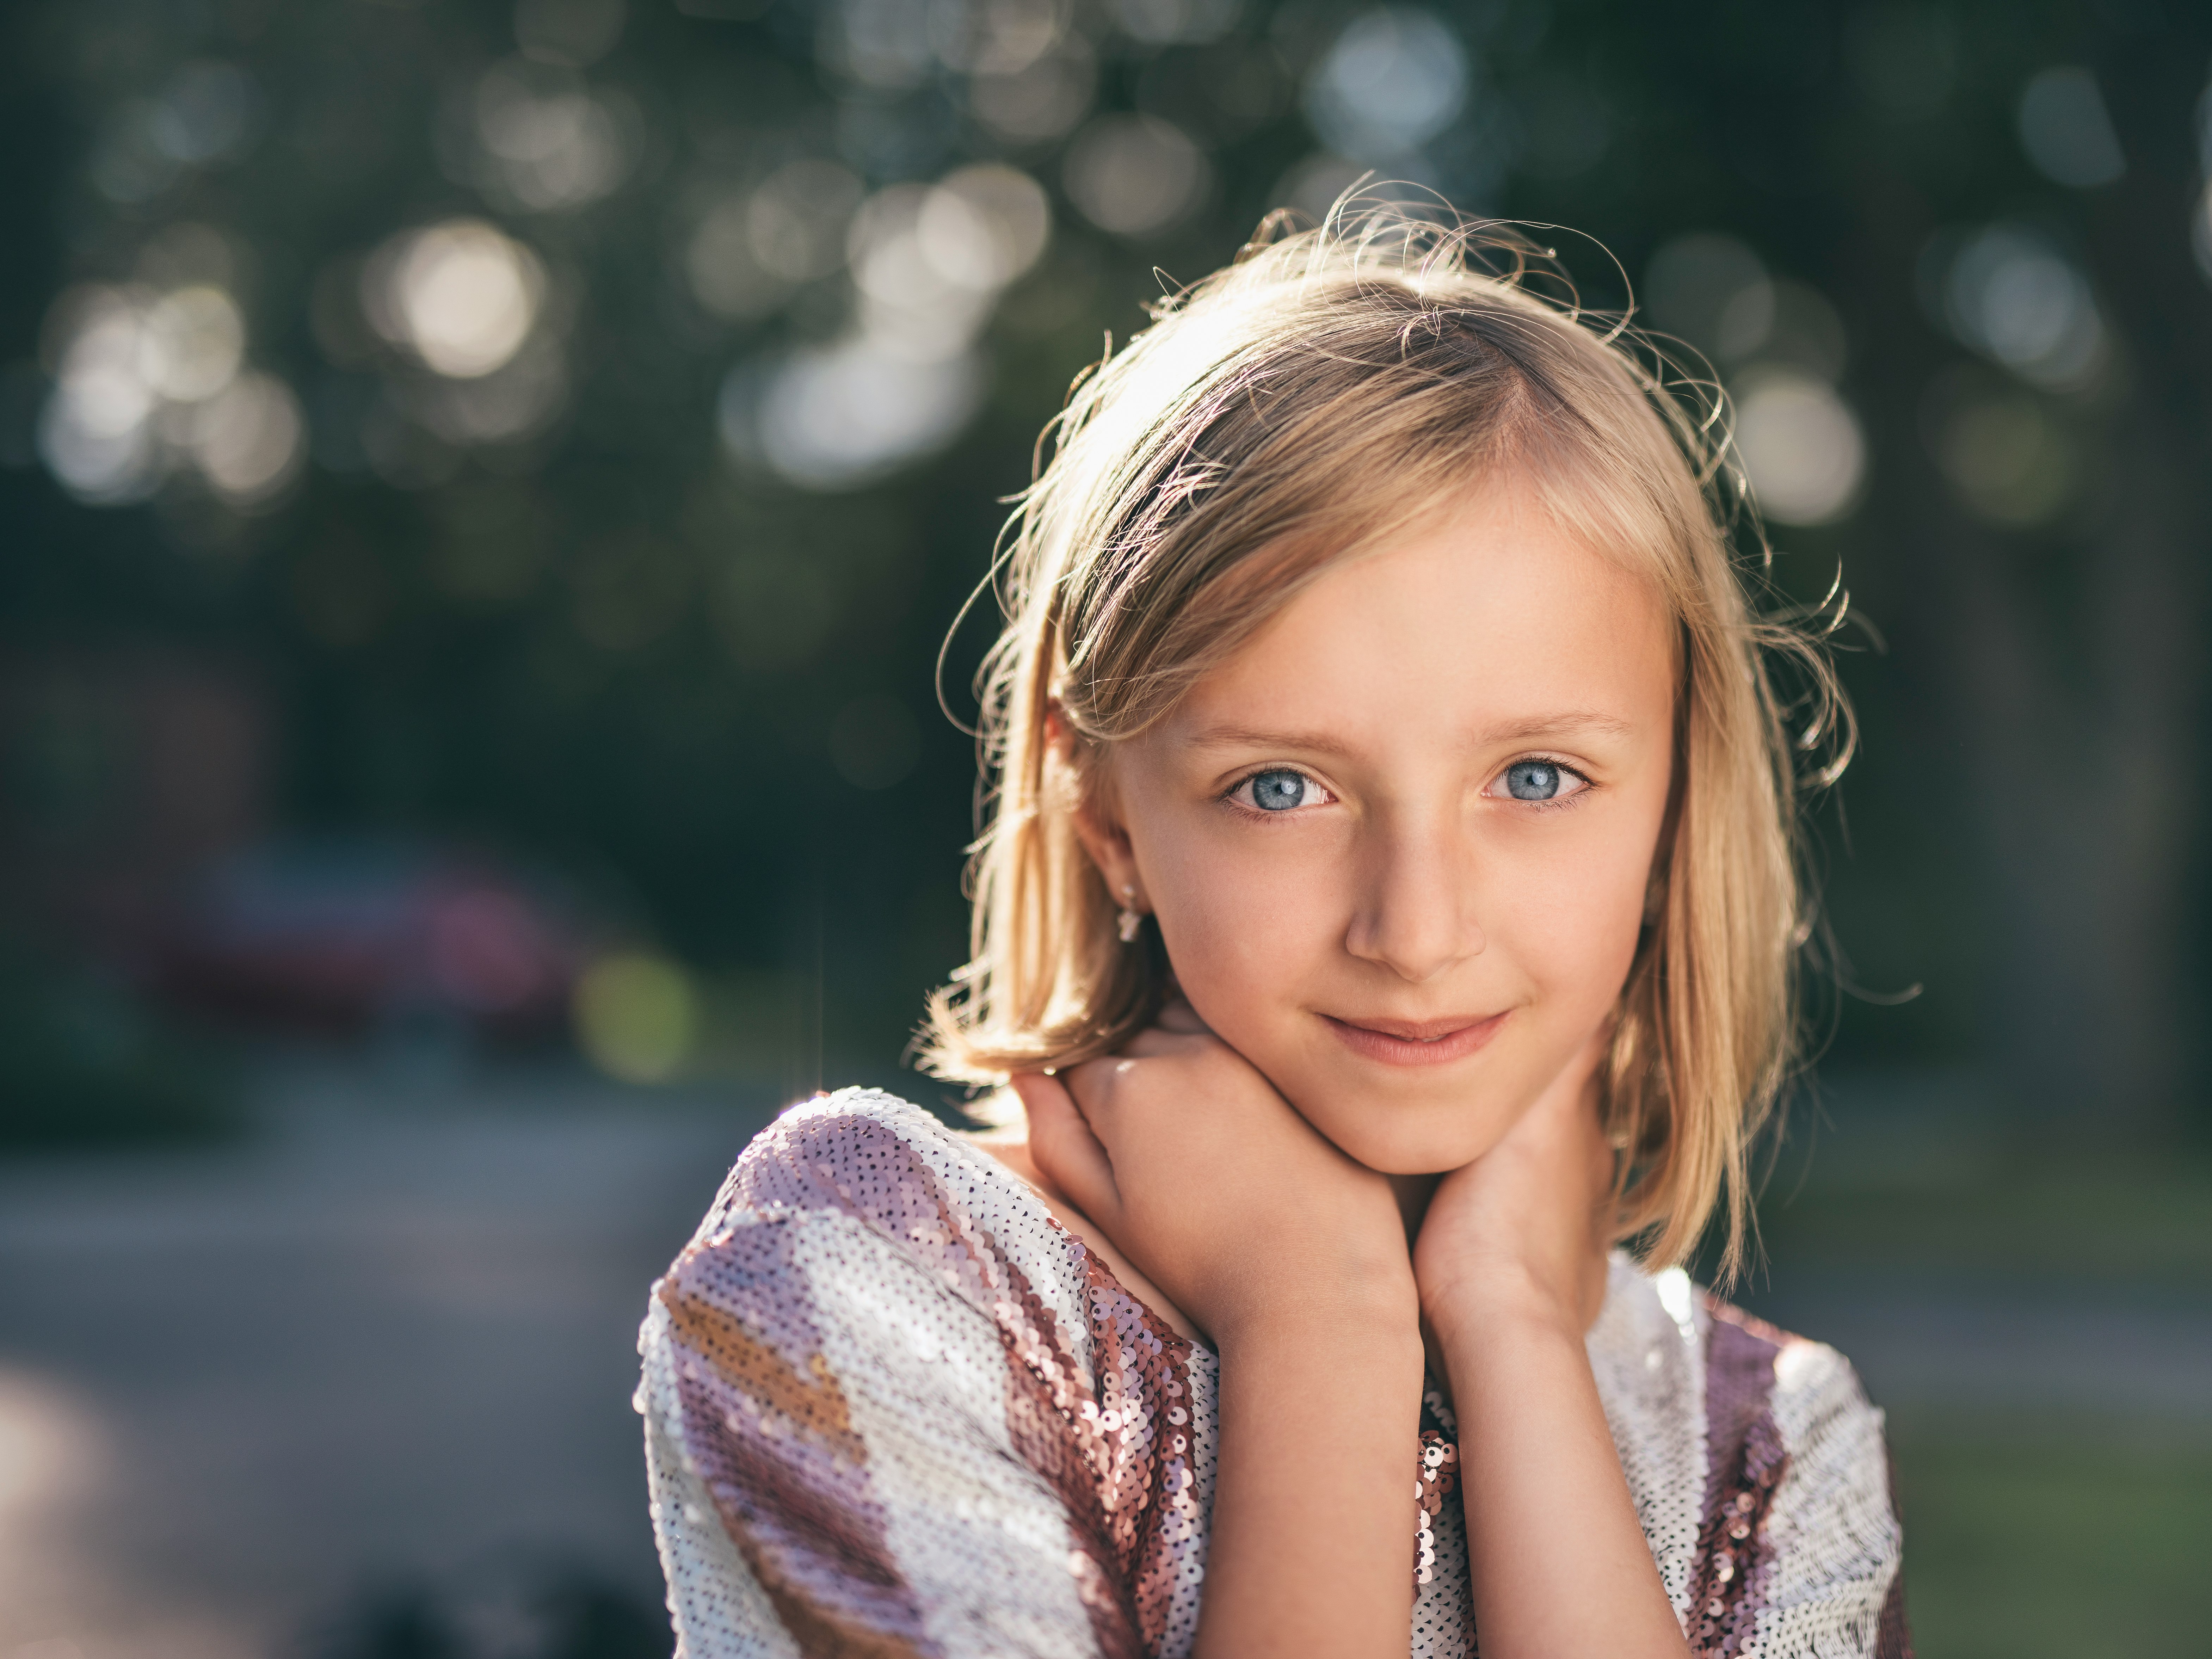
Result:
pixel 1245 737
pixel 1571 723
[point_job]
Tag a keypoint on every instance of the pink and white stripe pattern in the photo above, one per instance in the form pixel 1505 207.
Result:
pixel 893 1408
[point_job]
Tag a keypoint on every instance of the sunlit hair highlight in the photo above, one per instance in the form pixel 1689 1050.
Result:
pixel 1302 407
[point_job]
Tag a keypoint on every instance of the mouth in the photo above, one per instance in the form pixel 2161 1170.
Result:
pixel 1417 1041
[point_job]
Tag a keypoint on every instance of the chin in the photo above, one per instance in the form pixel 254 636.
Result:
pixel 1412 1148
pixel 1392 1159
pixel 1417 1123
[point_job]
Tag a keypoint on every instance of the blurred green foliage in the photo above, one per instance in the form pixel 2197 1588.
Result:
pixel 2042 1538
pixel 2141 1221
pixel 2031 1530
pixel 83 1064
pixel 611 632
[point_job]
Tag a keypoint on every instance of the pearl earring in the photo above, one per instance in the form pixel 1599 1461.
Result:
pixel 1130 920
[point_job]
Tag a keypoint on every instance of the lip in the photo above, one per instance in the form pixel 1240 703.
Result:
pixel 1417 1041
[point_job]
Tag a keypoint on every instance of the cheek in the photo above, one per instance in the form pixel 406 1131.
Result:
pixel 1243 927
pixel 1572 926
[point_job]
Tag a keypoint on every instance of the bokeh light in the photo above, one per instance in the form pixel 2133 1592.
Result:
pixel 1801 446
pixel 461 295
pixel 928 263
pixel 249 440
pixel 545 142
pixel 1395 78
pixel 751 247
pixel 207 114
pixel 840 416
pixel 146 381
pixel 1136 176
pixel 2003 452
pixel 2007 292
pixel 1041 101
pixel 1711 291
pixel 2066 131
pixel 92 434
pixel 1175 23
pixel 983 227
pixel 1782 349
pixel 194 342
pixel 795 223
pixel 636 1015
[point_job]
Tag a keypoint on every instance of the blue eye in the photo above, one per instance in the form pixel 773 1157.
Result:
pixel 1279 791
pixel 1531 780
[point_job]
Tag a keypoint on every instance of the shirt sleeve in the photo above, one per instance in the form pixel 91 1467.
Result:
pixel 1834 1586
pixel 831 1468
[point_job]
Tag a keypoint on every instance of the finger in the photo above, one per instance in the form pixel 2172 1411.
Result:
pixel 1066 1153
pixel 1095 1088
pixel 1156 1040
pixel 1177 1015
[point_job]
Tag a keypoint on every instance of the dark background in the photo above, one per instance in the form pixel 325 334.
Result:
pixel 484 490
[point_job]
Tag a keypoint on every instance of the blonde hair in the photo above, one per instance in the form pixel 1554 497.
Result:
pixel 1298 408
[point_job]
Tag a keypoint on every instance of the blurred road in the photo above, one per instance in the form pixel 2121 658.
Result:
pixel 243 1391
pixel 390 1343
pixel 2002 1344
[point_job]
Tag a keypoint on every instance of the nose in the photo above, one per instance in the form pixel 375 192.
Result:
pixel 1416 910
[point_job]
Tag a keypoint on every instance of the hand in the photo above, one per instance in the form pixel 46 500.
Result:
pixel 1522 1229
pixel 1511 1261
pixel 1293 1260
pixel 1214 1186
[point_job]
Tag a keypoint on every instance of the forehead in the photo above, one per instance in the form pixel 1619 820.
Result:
pixel 1484 615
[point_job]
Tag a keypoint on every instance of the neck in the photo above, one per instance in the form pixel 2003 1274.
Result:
pixel 1412 1192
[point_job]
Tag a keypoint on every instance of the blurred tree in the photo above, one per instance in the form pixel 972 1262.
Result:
pixel 83 1065
pixel 589 416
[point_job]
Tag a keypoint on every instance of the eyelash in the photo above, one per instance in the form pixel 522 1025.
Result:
pixel 1228 797
pixel 1556 804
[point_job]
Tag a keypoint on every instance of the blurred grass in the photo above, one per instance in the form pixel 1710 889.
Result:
pixel 2044 1215
pixel 2029 1535
pixel 2038 1537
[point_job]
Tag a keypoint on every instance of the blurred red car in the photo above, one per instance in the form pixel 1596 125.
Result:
pixel 351 938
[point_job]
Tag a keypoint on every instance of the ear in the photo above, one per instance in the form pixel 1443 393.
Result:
pixel 1096 815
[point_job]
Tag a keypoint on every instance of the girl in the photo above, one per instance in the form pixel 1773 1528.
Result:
pixel 1388 910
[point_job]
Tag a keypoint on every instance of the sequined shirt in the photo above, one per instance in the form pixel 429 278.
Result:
pixel 893 1408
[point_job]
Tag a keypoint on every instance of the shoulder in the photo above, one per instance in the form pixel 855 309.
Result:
pixel 853 1190
pixel 857 1151
pixel 1819 1413
pixel 826 1368
pixel 1757 1463
pixel 1742 1366
pixel 1802 1537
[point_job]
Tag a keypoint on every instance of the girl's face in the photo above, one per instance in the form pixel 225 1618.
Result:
pixel 1399 848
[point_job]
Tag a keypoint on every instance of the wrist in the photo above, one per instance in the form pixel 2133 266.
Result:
pixel 1501 1303
pixel 1382 1319
pixel 1348 1280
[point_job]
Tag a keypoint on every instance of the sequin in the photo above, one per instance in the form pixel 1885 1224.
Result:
pixel 1438 1480
pixel 1746 1461
pixel 894 1409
